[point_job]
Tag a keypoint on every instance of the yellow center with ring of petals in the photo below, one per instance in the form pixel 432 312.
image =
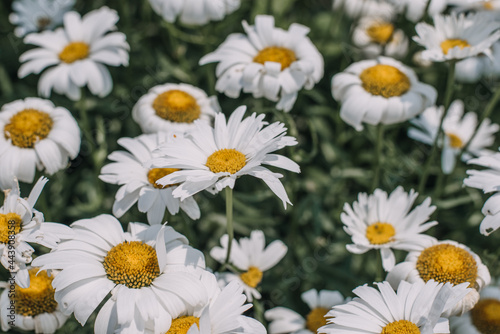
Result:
pixel 380 233
pixel 226 160
pixel 252 277
pixel 384 80
pixel 27 127
pixel 380 32
pixel 177 106
pixel 74 51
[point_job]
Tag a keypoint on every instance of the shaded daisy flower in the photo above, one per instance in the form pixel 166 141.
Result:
pixel 445 262
pixel 197 13
pixel 138 183
pixel 415 9
pixel 174 107
pixel 380 91
pixel 36 135
pixel 33 308
pixel 356 8
pixel 251 256
pixel 77 54
pixel 458 129
pixel 213 158
pixel 386 222
pixel 267 62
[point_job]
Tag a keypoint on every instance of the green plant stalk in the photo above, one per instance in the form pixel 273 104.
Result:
pixel 378 155
pixel 230 227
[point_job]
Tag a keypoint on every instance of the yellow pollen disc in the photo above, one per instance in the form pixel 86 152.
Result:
pixel 486 316
pixel 451 43
pixel 380 233
pixel 252 277
pixel 385 80
pixel 316 319
pixel 37 298
pixel 401 327
pixel 276 54
pixel 380 32
pixel 488 5
pixel 226 160
pixel 132 263
pixel 157 173
pixel 27 127
pixel 455 140
pixel 74 51
pixel 182 324
pixel 10 224
pixel 177 106
pixel 447 263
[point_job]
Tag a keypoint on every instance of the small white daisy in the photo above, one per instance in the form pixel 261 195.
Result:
pixel 77 54
pixel 251 256
pixel 213 158
pixel 357 8
pixel 174 107
pixel 138 183
pixel 380 91
pixel 445 262
pixel 415 9
pixel 489 6
pixel 458 130
pixel 268 62
pixel 194 12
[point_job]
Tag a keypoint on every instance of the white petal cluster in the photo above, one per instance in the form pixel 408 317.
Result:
pixel 415 9
pixel 357 8
pixel 194 12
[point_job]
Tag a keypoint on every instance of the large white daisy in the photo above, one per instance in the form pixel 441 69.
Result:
pixel 415 9
pixel 194 12
pixel 213 158
pixel 77 54
pixel 267 62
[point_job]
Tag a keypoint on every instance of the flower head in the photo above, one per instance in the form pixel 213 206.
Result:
pixel 196 13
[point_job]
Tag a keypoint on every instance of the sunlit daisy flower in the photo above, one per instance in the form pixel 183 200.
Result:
pixel 37 15
pixel 252 257
pixel 33 308
pixel 268 62
pixel 138 183
pixel 146 269
pixel 285 321
pixel 77 54
pixel 356 8
pixel 36 135
pixel 445 262
pixel 378 36
pixel 194 12
pixel 413 309
pixel 415 9
pixel 457 36
pixel 174 107
pixel 458 130
pixel 213 158
pixel 379 221
pixel 380 91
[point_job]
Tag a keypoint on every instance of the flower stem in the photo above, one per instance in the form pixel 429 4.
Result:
pixel 380 268
pixel 378 155
pixel 229 217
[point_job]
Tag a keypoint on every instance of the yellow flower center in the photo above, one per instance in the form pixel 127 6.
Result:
pixel 276 54
pixel 380 233
pixel 488 5
pixel 486 316
pixel 226 160
pixel 37 298
pixel 455 140
pixel 155 174
pixel 385 80
pixel 43 22
pixel 182 324
pixel 380 32
pixel 177 106
pixel 132 263
pixel 447 263
pixel 401 327
pixel 74 51
pixel 451 43
pixel 10 224
pixel 316 319
pixel 252 277
pixel 27 127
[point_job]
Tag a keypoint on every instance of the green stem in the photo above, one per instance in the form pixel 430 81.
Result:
pixel 258 310
pixel 84 120
pixel 378 155
pixel 229 217
pixel 379 277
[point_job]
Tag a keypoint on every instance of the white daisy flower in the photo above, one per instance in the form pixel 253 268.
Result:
pixel 458 130
pixel 251 256
pixel 36 135
pixel 457 36
pixel 194 12
pixel 380 91
pixel 415 308
pixel 285 321
pixel 147 269
pixel 415 9
pixel 490 6
pixel 174 107
pixel 76 54
pixel 386 222
pixel 213 158
pixel 138 183
pixel 473 69
pixel 37 15
pixel 378 36
pixel 357 8
pixel 267 62
pixel 445 262
pixel 33 308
